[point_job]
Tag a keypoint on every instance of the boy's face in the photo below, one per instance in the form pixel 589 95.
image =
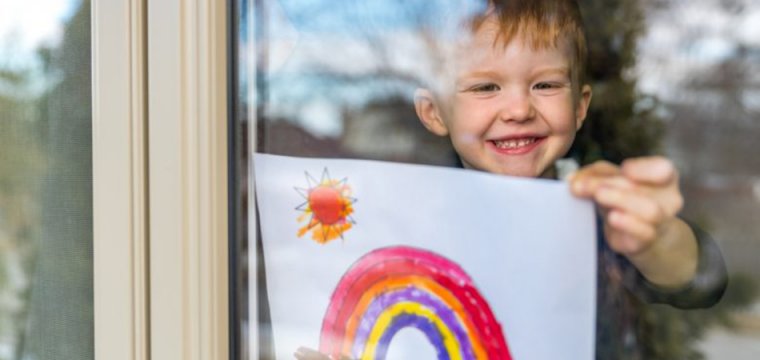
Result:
pixel 512 110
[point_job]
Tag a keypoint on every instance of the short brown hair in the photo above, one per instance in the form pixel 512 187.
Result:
pixel 542 24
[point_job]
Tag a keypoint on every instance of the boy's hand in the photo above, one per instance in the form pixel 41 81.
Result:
pixel 639 201
pixel 304 353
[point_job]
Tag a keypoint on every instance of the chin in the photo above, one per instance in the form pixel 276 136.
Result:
pixel 521 174
pixel 506 169
pixel 511 171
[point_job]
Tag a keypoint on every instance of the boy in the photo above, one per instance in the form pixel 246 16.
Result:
pixel 517 99
pixel 512 106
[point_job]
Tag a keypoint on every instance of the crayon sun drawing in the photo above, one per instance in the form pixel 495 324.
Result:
pixel 327 208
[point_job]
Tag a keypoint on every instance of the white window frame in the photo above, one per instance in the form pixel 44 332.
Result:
pixel 120 203
pixel 160 179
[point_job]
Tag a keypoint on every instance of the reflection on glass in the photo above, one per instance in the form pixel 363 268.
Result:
pixel 45 181
pixel 336 79
pixel 701 60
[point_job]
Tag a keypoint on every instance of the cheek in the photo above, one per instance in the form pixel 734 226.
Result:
pixel 564 142
pixel 467 125
pixel 462 132
pixel 561 116
pixel 465 140
pixel 473 116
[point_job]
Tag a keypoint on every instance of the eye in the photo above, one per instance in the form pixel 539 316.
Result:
pixel 489 87
pixel 546 86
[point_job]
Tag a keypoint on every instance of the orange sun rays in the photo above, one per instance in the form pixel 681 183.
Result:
pixel 327 208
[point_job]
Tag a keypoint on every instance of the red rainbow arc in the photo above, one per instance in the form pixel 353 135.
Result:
pixel 400 287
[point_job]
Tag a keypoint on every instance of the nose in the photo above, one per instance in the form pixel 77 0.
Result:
pixel 516 106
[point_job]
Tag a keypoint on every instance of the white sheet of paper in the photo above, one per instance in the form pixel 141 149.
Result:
pixel 527 244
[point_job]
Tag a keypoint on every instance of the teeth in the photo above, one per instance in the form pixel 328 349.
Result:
pixel 513 144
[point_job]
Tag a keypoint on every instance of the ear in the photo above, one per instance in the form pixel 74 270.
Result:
pixel 428 112
pixel 584 100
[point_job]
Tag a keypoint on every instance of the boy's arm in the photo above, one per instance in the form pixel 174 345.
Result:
pixel 705 288
pixel 639 202
pixel 671 261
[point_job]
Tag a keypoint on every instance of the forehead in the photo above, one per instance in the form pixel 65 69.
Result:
pixel 487 46
pixel 483 42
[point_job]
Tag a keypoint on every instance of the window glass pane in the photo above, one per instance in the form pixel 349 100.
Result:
pixel 698 62
pixel 358 104
pixel 46 294
pixel 675 78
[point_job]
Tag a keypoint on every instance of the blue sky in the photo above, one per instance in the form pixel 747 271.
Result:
pixel 336 16
pixel 27 24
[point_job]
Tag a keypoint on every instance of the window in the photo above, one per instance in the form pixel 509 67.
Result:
pixel 46 281
pixel 336 80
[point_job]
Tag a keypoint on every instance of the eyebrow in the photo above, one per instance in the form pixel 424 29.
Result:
pixel 481 73
pixel 562 70
pixel 549 70
pixel 490 74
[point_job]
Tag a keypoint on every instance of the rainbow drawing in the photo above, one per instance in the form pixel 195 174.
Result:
pixel 393 288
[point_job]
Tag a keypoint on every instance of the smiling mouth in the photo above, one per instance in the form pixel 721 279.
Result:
pixel 512 144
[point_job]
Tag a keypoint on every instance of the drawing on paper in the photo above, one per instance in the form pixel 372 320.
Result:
pixel 394 288
pixel 327 208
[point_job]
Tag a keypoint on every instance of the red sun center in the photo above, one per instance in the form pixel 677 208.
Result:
pixel 327 204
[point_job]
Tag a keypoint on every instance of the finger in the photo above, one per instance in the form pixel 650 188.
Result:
pixel 589 186
pixel 598 168
pixel 304 353
pixel 585 181
pixel 627 234
pixel 618 182
pixel 641 206
pixel 300 355
pixel 668 198
pixel 654 170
